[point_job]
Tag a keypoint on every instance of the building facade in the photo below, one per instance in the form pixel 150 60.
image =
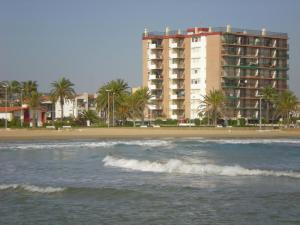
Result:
pixel 180 68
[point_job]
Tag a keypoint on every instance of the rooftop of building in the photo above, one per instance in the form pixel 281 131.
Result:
pixel 212 30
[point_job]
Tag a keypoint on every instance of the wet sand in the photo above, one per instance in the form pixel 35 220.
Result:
pixel 138 133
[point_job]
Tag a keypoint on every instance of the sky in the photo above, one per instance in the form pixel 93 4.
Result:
pixel 92 42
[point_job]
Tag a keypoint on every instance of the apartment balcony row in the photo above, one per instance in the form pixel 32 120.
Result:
pixel 255 77
pixel 255 56
pixel 155 77
pixel 253 66
pixel 250 87
pixel 255 45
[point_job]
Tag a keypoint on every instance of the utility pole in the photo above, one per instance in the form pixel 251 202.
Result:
pixel 5 85
pixel 113 109
pixel 22 116
pixel 108 91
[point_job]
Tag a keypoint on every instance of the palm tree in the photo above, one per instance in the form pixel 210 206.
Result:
pixel 62 90
pixel 14 89
pixel 214 102
pixel 286 103
pixel 34 103
pixel 269 95
pixel 117 91
pixel 143 97
pixel 90 115
pixel 29 87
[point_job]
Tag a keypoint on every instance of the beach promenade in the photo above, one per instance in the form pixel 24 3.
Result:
pixel 137 133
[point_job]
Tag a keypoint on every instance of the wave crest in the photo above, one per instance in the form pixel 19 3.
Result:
pixel 145 143
pixel 179 166
pixel 31 188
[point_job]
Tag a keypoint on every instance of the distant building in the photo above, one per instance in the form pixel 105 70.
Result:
pixel 73 108
pixel 24 113
pixel 180 68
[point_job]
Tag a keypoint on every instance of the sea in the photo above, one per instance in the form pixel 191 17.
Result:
pixel 150 181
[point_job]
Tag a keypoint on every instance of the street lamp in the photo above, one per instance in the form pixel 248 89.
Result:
pixel 22 116
pixel 5 85
pixel 113 109
pixel 108 91
pixel 260 98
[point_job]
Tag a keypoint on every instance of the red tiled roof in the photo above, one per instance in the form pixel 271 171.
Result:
pixel 11 108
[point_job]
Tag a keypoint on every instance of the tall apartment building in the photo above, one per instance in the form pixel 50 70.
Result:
pixel 180 68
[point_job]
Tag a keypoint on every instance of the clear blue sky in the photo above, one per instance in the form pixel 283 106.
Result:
pixel 93 41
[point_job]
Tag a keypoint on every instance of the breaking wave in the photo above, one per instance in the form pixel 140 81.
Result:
pixel 145 143
pixel 31 188
pixel 250 141
pixel 181 167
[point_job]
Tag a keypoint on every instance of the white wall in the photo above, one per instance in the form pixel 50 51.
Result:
pixel 198 74
pixel 69 108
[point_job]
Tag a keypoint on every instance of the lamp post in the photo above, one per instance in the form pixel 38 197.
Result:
pixel 260 98
pixel 108 91
pixel 113 109
pixel 5 85
pixel 22 116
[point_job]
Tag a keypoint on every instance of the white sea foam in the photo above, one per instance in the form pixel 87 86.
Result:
pixel 145 143
pixel 179 166
pixel 31 188
pixel 250 141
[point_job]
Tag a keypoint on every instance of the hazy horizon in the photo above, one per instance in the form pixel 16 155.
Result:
pixel 92 42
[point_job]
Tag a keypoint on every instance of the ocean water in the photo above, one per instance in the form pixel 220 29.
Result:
pixel 163 181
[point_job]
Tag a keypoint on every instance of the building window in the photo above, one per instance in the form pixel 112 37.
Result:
pixel 195 81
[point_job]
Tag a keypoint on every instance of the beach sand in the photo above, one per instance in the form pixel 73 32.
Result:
pixel 137 133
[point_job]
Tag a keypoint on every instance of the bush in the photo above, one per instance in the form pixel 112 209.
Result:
pixel 197 122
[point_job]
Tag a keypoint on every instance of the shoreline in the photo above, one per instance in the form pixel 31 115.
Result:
pixel 144 133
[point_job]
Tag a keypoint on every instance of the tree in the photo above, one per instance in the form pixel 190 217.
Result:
pixel 286 103
pixel 117 91
pixel 34 103
pixel 214 102
pixel 142 97
pixel 90 115
pixel 269 95
pixel 29 87
pixel 62 90
pixel 14 89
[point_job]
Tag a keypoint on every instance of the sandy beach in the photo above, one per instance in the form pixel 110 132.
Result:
pixel 134 133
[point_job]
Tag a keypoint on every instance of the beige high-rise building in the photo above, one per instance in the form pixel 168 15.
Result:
pixel 181 67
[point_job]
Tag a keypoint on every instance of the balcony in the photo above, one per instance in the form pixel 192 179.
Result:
pixel 155 66
pixel 176 76
pixel 155 107
pixel 155 77
pixel 154 46
pixel 176 66
pixel 173 86
pixel 173 106
pixel 156 97
pixel 176 45
pixel 155 57
pixel 155 87
pixel 176 56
